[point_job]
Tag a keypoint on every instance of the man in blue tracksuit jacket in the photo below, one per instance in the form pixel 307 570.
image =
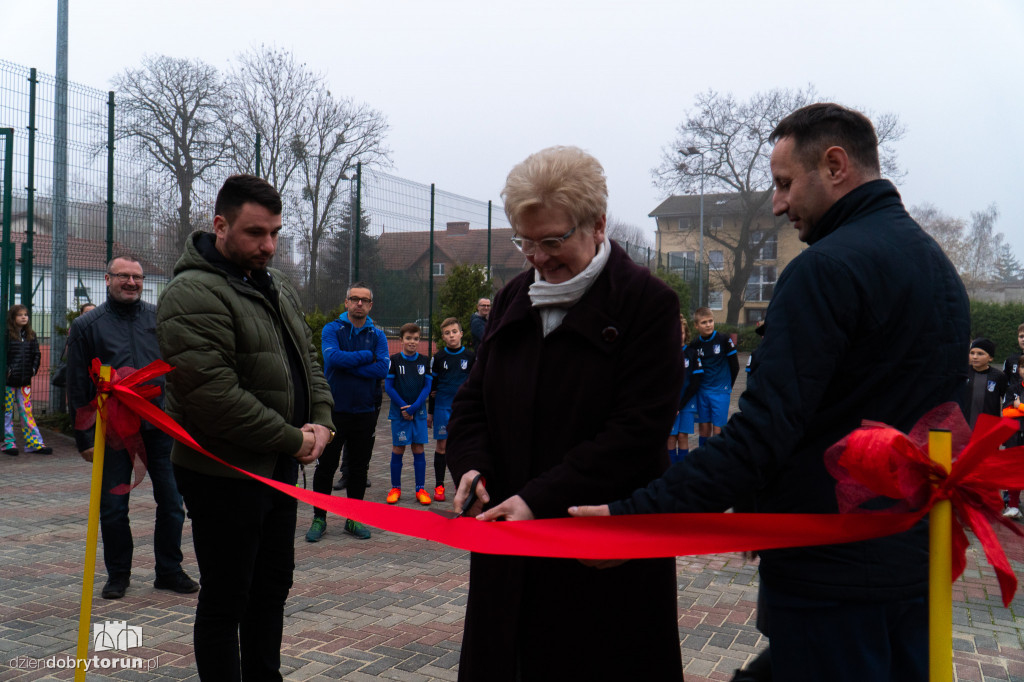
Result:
pixel 355 360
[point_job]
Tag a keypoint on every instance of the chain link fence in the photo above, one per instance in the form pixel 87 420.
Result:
pixel 77 199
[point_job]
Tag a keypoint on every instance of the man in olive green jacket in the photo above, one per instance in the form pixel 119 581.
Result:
pixel 247 386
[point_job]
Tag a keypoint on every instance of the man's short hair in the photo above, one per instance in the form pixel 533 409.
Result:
pixel 124 256
pixel 408 328
pixel 449 321
pixel 242 189
pixel 1020 329
pixel 558 177
pixel 358 285
pixel 701 313
pixel 817 127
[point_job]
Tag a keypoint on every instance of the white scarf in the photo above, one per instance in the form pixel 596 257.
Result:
pixel 554 300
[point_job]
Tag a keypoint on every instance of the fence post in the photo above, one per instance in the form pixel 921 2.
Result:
pixel 110 175
pixel 488 240
pixel 59 214
pixel 430 281
pixel 6 247
pixel 30 209
pixel 259 161
pixel 358 219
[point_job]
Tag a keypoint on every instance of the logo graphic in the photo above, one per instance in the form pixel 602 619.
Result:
pixel 115 635
pixel 718 349
pixel 991 387
pixel 465 364
pixel 420 369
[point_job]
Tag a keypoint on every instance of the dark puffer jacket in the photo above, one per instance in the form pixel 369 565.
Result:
pixel 22 360
pixel 870 322
pixel 232 387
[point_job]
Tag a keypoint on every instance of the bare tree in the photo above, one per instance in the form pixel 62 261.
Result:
pixel 270 94
pixel 731 153
pixel 341 133
pixel 984 245
pixel 947 230
pixel 977 251
pixel 172 110
pixel 633 239
pixel 627 233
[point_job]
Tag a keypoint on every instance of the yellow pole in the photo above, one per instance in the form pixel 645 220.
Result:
pixel 92 530
pixel 940 570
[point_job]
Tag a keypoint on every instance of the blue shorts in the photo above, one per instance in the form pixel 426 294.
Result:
pixel 441 417
pixel 713 407
pixel 684 422
pixel 408 432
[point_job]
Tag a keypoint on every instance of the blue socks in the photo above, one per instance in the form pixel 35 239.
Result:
pixel 396 470
pixel 419 466
pixel 677 455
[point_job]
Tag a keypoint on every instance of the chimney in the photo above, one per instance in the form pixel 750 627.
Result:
pixel 458 227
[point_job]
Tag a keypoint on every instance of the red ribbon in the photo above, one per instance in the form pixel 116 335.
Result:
pixel 123 432
pixel 873 460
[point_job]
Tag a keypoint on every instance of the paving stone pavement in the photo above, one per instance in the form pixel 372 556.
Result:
pixel 387 608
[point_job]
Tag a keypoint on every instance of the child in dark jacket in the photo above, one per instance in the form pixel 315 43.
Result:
pixel 22 364
pixel 985 384
pixel 1014 394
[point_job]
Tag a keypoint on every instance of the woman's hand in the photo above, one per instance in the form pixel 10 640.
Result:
pixel 512 509
pixel 462 494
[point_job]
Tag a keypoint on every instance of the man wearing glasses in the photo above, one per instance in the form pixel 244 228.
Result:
pixel 355 360
pixel 121 332
pixel 478 322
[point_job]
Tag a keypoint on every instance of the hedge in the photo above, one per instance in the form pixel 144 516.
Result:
pixel 998 322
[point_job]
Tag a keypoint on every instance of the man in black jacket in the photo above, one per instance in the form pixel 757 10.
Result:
pixel 890 323
pixel 121 332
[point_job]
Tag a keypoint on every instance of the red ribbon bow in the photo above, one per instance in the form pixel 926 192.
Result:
pixel 123 422
pixel 879 460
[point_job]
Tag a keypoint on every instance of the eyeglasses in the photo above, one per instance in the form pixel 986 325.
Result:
pixel 124 277
pixel 359 299
pixel 549 245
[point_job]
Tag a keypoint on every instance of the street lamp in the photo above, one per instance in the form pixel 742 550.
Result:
pixel 693 151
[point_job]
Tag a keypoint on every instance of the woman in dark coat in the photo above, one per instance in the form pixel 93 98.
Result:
pixel 573 390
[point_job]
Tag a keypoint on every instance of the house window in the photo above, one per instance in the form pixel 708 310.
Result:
pixel 761 284
pixel 715 300
pixel 438 269
pixel 769 249
pixel 717 222
pixel 755 315
pixel 716 260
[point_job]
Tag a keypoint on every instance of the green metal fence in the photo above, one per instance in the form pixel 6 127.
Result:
pixel 76 198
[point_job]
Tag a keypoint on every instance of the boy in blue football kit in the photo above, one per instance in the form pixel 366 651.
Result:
pixel 717 355
pixel 408 385
pixel 449 369
pixel 693 374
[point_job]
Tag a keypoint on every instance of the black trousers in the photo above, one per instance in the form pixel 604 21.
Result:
pixel 244 537
pixel 847 641
pixel 357 431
